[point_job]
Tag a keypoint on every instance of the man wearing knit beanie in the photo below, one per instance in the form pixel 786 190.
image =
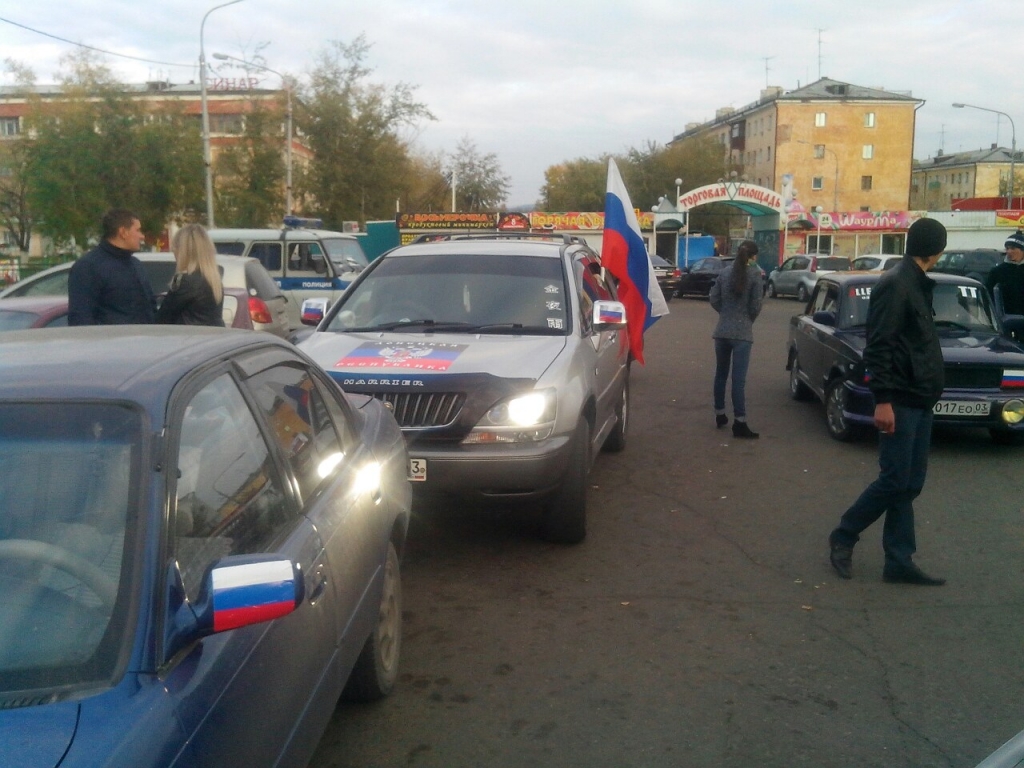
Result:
pixel 1009 275
pixel 903 365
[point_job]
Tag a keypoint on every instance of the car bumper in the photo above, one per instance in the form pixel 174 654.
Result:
pixel 861 408
pixel 494 472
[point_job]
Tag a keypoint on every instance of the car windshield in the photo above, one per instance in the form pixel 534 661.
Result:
pixel 834 263
pixel 343 251
pixel 956 308
pixel 66 497
pixel 867 262
pixel 15 321
pixel 458 293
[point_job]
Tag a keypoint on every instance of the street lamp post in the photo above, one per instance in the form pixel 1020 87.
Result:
pixel 1013 145
pixel 288 131
pixel 207 156
pixel 817 246
pixel 686 228
pixel 654 228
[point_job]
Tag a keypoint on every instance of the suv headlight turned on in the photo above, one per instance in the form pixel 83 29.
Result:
pixel 503 357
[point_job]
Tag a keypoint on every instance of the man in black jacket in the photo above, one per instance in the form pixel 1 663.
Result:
pixel 903 364
pixel 1009 275
pixel 107 286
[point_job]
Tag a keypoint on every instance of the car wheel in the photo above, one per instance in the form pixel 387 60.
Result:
pixel 376 669
pixel 797 389
pixel 772 293
pixel 801 294
pixel 839 427
pixel 565 514
pixel 616 440
pixel 1005 437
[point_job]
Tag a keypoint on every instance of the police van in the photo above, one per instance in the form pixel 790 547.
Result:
pixel 305 260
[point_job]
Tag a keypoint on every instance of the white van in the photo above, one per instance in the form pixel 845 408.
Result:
pixel 305 263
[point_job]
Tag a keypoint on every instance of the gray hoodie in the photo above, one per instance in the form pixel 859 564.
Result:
pixel 736 313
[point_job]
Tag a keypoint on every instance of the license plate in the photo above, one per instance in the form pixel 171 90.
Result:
pixel 962 408
pixel 418 470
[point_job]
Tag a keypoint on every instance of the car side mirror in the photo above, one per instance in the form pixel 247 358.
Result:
pixel 237 591
pixel 1013 324
pixel 313 311
pixel 825 317
pixel 609 315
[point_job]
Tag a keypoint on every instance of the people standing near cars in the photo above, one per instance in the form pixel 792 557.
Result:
pixel 196 294
pixel 108 286
pixel 736 296
pixel 1009 275
pixel 903 368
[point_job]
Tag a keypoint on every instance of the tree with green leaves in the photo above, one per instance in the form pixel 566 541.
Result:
pixel 479 182
pixel 250 174
pixel 354 128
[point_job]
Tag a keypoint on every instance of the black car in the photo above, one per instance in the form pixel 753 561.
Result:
pixel 668 275
pixel 697 279
pixel 973 262
pixel 984 368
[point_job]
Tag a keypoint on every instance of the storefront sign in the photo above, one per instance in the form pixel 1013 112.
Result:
pixel 454 220
pixel 1007 218
pixel 858 221
pixel 732 192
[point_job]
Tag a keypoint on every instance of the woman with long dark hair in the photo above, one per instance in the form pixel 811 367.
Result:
pixel 196 294
pixel 736 297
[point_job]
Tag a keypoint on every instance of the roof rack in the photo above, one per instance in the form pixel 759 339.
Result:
pixel 565 239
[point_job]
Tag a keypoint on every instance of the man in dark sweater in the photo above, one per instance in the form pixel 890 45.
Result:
pixel 903 365
pixel 1009 275
pixel 107 286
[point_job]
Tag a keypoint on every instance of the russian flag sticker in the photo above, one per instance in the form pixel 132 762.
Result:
pixel 1013 379
pixel 609 316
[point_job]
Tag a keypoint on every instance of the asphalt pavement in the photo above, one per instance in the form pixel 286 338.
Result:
pixel 700 623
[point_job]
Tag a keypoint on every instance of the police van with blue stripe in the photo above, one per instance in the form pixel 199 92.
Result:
pixel 305 260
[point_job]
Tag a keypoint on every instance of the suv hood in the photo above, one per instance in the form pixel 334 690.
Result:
pixel 504 356
pixel 38 736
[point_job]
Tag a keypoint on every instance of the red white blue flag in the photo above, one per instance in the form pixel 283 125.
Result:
pixel 624 254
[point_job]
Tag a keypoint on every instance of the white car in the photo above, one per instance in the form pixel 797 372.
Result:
pixel 875 263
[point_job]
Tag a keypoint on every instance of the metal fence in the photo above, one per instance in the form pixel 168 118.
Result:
pixel 13 269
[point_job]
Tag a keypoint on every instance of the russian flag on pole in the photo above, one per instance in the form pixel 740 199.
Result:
pixel 624 254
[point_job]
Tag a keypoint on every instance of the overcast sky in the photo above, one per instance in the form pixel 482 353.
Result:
pixel 541 81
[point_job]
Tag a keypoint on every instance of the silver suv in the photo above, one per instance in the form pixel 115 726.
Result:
pixel 798 274
pixel 503 357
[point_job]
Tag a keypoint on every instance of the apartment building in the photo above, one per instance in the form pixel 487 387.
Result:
pixel 939 181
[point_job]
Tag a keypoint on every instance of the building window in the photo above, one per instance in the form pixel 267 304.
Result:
pixel 819 119
pixel 818 182
pixel 865 182
pixel 865 208
pixel 868 151
pixel 869 119
pixel 769 154
pixel 225 123
pixel 9 126
pixel 819 151
pixel 819 244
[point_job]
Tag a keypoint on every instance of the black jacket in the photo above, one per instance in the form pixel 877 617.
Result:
pixel 108 286
pixel 903 358
pixel 190 301
pixel 1010 279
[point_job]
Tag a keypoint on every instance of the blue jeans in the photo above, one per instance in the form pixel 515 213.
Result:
pixel 903 464
pixel 737 353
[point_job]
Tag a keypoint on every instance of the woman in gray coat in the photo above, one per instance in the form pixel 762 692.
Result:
pixel 736 297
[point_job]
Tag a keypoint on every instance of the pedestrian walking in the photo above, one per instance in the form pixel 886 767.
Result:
pixel 1009 275
pixel 196 293
pixel 736 296
pixel 903 365
pixel 108 286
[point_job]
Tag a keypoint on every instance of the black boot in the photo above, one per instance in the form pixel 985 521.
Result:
pixel 740 429
pixel 721 420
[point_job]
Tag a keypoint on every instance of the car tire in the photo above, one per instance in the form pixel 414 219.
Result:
pixel 565 514
pixel 772 293
pixel 616 440
pixel 376 669
pixel 801 294
pixel 797 389
pixel 1005 437
pixel 839 427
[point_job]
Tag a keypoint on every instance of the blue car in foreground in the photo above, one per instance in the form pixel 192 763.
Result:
pixel 984 367
pixel 199 548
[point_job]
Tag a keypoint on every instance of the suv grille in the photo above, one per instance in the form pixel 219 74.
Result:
pixel 422 409
pixel 968 377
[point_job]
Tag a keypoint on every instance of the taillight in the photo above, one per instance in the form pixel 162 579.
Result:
pixel 814 265
pixel 259 311
pixel 677 273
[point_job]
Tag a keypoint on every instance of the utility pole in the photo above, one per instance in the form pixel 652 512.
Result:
pixel 820 30
pixel 766 60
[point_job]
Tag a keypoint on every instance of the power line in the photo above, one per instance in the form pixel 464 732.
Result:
pixel 98 50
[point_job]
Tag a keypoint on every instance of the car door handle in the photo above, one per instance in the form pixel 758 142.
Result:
pixel 318 582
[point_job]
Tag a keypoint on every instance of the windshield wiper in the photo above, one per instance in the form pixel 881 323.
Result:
pixel 953 324
pixel 514 328
pixel 393 325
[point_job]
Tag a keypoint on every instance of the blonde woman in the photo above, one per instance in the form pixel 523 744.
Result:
pixel 195 295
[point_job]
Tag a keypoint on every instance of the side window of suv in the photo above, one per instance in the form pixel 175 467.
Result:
pixel 306 260
pixel 269 255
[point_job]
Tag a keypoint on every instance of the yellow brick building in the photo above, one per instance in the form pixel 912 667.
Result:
pixel 940 180
pixel 841 146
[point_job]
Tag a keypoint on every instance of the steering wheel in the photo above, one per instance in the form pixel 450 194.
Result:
pixel 58 557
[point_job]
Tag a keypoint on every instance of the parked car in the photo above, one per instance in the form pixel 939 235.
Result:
pixel 701 275
pixel 667 274
pixel 504 357
pixel 876 263
pixel 304 259
pixel 244 279
pixel 974 262
pixel 984 368
pixel 797 275
pixel 19 313
pixel 199 550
